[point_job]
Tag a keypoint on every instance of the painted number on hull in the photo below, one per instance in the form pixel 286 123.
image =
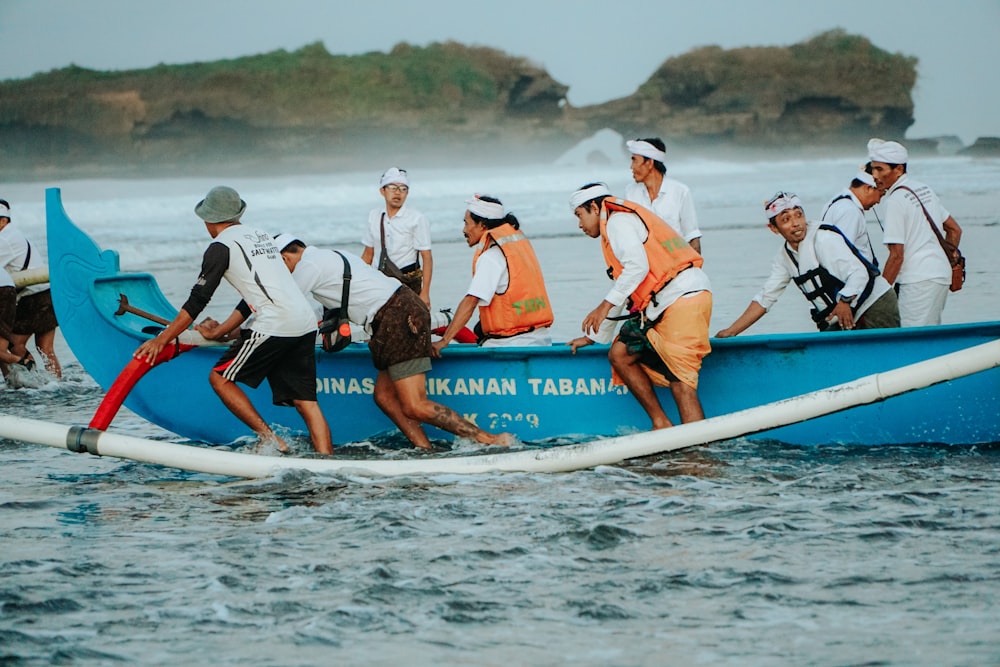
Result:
pixel 501 420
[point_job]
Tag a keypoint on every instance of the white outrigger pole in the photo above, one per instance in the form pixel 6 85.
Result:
pixel 564 458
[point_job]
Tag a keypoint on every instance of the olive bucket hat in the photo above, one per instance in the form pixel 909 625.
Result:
pixel 222 204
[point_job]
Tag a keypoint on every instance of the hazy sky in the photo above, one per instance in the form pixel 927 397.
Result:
pixel 600 49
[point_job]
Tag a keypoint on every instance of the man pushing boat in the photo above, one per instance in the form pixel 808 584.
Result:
pixel 400 328
pixel 658 277
pixel 280 345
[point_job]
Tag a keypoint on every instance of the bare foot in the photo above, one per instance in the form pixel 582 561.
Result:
pixel 499 439
pixel 272 441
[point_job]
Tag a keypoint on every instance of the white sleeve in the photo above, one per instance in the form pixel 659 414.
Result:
pixel 626 234
pixel 491 268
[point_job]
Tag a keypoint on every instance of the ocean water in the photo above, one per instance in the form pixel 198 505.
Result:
pixel 734 553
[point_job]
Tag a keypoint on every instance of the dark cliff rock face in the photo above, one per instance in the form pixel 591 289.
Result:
pixel 832 88
pixel 310 107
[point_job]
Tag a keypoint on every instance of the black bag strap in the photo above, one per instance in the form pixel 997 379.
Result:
pixel 345 294
pixel 27 258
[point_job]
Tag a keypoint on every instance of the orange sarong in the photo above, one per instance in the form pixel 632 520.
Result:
pixel 680 339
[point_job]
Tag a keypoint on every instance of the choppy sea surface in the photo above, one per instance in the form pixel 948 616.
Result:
pixel 740 553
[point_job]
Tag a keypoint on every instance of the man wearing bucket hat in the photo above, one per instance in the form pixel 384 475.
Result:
pixel 669 199
pixel 279 346
pixel 658 278
pixel 402 236
pixel 844 288
pixel 400 344
pixel 846 212
pixel 917 264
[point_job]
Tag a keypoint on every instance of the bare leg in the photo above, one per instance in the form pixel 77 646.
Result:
pixel 412 393
pixel 387 400
pixel 635 378
pixel 319 430
pixel 688 404
pixel 45 344
pixel 239 404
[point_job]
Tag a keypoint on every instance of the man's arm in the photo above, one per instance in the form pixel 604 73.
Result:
pixel 754 312
pixel 368 254
pixel 427 264
pixel 952 232
pixel 466 307
pixel 894 262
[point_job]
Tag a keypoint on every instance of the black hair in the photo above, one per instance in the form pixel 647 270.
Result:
pixel 492 223
pixel 596 200
pixel 656 142
pixel 5 203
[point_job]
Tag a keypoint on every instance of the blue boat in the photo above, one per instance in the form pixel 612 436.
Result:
pixel 539 394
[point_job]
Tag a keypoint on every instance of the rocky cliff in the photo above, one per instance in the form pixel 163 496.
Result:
pixel 309 107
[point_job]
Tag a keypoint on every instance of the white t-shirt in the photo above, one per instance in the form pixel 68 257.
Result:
pixel 492 277
pixel 847 214
pixel 13 252
pixel 626 234
pixel 258 273
pixel 826 249
pixel 320 274
pixel 406 234
pixel 905 222
pixel 673 204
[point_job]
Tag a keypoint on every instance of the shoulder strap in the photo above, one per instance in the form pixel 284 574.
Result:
pixel 930 221
pixel 27 257
pixel 346 292
pixel 832 202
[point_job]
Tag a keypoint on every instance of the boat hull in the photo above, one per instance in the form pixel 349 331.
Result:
pixel 536 393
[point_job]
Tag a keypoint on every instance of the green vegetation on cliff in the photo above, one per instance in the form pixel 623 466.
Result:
pixel 311 105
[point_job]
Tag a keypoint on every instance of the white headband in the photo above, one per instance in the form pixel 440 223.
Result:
pixel 394 175
pixel 285 240
pixel 4 211
pixel 646 149
pixel 485 209
pixel 890 152
pixel 865 178
pixel 780 202
pixel 586 194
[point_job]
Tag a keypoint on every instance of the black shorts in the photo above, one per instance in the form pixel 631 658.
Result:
pixel 8 312
pixel 288 363
pixel 35 314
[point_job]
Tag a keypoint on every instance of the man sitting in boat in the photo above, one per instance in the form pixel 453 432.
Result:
pixel 846 212
pixel 658 277
pixel 844 288
pixel 507 284
pixel 400 344
pixel 281 343
pixel 35 315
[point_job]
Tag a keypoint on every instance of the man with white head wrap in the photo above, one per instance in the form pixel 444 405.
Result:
pixel 668 298
pixel 406 232
pixel 844 288
pixel 669 199
pixel 846 212
pixel 507 285
pixel 916 264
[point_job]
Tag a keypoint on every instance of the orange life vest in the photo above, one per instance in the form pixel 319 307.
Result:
pixel 525 304
pixel 668 253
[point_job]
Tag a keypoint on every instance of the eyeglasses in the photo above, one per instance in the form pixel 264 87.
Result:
pixel 392 187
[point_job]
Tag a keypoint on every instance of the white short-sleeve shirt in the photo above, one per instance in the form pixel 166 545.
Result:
pixel 674 204
pixel 406 234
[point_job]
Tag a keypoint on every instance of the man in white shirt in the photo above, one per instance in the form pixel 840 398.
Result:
pixel 406 251
pixel 658 279
pixel 669 199
pixel 400 343
pixel 844 289
pixel 846 212
pixel 917 263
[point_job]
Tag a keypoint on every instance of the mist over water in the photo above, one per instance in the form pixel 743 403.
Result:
pixel 736 553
